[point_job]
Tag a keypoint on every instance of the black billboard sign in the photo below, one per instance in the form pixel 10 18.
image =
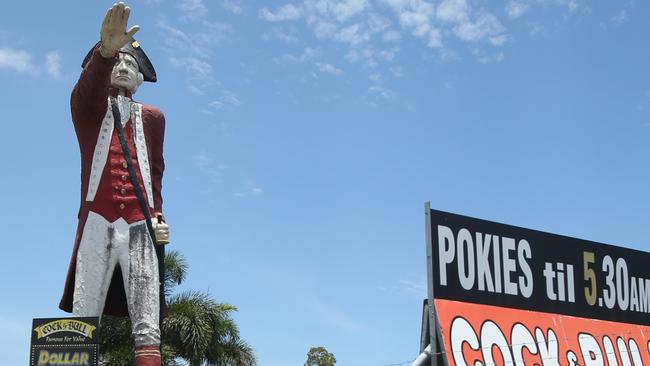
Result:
pixel 489 263
pixel 65 341
pixel 505 295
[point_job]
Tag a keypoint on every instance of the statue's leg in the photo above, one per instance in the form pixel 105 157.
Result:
pixel 142 289
pixel 96 260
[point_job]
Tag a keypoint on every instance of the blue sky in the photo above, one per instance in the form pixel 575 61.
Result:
pixel 303 138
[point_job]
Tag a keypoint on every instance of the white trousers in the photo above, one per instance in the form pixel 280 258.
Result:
pixel 103 246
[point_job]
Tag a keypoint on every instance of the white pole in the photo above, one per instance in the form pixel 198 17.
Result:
pixel 423 358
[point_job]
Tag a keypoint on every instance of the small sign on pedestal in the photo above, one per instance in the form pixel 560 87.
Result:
pixel 65 341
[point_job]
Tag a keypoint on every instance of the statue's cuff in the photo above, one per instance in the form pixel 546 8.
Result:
pixel 160 216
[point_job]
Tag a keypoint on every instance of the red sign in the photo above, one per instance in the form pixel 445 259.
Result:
pixel 484 335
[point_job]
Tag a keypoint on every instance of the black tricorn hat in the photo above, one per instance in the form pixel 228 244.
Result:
pixel 133 48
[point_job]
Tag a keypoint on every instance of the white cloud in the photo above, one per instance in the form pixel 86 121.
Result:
pixel 391 36
pixel 389 54
pixel 233 6
pixel 213 33
pixel 353 56
pixel 415 287
pixel 289 35
pixel 397 71
pixel 381 91
pixel 194 66
pixel 285 12
pixel 346 9
pixel 367 54
pixel 408 288
pixel 226 99
pixel 53 64
pixel 429 22
pixel 377 23
pixel 435 38
pixel 417 16
pixel 336 10
pixel 486 25
pixel 499 40
pixel 359 23
pixel 331 19
pixel 193 51
pixel 200 43
pixel 352 34
pixel 193 9
pixel 536 29
pixel 324 29
pixel 418 19
pixel 455 11
pixel 251 189
pixel 17 60
pixel 329 69
pixel 571 4
pixel 308 54
pixel 351 22
pixel 484 58
pixel 620 17
pixel 515 9
pixel 195 89
pixel 209 167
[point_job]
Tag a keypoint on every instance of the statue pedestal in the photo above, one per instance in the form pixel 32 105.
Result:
pixel 65 341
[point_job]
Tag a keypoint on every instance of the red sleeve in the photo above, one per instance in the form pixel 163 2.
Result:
pixel 156 122
pixel 91 91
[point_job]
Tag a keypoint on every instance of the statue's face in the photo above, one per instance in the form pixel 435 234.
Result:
pixel 125 73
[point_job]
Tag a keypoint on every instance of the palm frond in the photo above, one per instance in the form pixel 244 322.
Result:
pixel 175 270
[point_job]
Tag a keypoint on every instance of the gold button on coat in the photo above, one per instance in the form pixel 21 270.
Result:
pixel 122 206
pixel 124 177
pixel 123 191
pixel 125 165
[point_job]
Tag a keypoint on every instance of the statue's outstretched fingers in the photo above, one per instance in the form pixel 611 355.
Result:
pixel 118 11
pixel 112 17
pixel 107 18
pixel 125 15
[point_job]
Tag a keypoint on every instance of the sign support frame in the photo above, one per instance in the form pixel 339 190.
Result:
pixel 433 319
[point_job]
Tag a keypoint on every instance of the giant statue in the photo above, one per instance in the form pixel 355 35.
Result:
pixel 119 247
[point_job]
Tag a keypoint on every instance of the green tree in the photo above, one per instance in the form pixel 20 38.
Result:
pixel 318 356
pixel 197 329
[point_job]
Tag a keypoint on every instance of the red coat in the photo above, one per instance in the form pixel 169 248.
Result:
pixel 89 102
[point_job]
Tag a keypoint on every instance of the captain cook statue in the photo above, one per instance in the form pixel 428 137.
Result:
pixel 116 262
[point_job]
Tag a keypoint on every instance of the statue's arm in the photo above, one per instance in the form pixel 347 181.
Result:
pixel 157 159
pixel 157 126
pixel 91 91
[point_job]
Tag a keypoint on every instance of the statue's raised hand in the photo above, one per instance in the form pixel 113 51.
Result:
pixel 113 33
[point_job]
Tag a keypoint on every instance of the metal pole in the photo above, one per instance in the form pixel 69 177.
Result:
pixel 423 358
pixel 433 324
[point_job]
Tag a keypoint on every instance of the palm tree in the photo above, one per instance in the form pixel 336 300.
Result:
pixel 197 330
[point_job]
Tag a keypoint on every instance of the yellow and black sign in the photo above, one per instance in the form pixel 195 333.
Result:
pixel 65 342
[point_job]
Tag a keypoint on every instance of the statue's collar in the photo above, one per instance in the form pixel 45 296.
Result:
pixel 114 92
